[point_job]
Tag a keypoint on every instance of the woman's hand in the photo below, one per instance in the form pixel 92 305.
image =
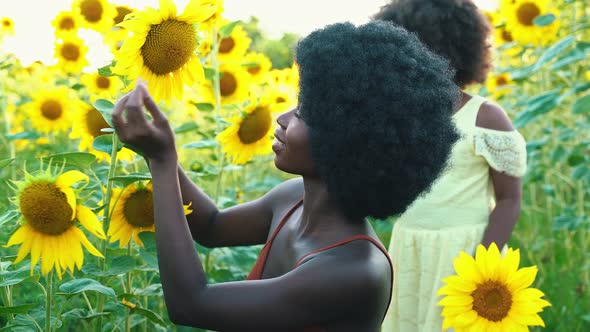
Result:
pixel 154 138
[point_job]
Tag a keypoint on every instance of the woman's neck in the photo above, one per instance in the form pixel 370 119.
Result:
pixel 320 211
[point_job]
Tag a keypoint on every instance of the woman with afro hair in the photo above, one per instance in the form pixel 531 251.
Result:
pixel 365 141
pixel 477 198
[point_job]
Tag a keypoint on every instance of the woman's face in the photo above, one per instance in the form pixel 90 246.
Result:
pixel 291 145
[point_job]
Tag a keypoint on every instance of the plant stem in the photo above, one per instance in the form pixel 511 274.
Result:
pixel 6 295
pixel 129 290
pixel 106 223
pixel 49 298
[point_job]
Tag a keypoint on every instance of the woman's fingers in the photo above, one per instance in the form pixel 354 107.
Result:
pixel 117 117
pixel 150 104
pixel 134 107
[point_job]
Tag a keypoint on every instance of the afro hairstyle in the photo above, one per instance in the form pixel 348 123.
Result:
pixel 378 106
pixel 455 29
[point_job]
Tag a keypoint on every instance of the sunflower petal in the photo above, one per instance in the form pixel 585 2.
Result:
pixel 89 220
pixel 522 278
pixel 91 249
pixel 198 11
pixel 21 234
pixel 68 178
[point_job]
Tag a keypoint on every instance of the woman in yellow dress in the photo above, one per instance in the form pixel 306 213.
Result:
pixel 477 199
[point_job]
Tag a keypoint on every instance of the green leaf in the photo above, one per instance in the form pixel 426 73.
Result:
pixel 544 20
pixel 536 144
pixel 186 127
pixel 77 86
pixel 537 106
pixel 151 290
pixel 22 135
pixel 149 258
pixel 210 143
pixel 227 29
pixel 553 51
pixel 581 171
pixel 18 280
pixel 573 56
pixel 149 240
pixel 122 264
pixel 80 313
pixel 105 108
pixel 567 222
pixel 104 143
pixel 84 285
pixel 559 154
pixel 6 162
pixel 152 316
pixel 582 105
pixel 106 70
pixel 205 107
pixel 209 73
pixel 81 160
pixel 17 309
pixel 125 180
pixel 8 216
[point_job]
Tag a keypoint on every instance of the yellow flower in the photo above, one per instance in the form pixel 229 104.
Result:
pixel 257 65
pixel 215 19
pixel 520 16
pixel 71 54
pixel 133 213
pixel 100 86
pixel 233 47
pixel 162 48
pixel 66 23
pixel 50 209
pixel 6 26
pixel 233 83
pixel 87 126
pixel 250 133
pixel 98 15
pixel 51 110
pixel 490 293
pixel 498 85
pixel 122 11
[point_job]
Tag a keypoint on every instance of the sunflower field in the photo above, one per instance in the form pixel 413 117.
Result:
pixel 78 248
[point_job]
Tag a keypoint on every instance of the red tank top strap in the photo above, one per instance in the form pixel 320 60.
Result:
pixel 256 272
pixel 348 240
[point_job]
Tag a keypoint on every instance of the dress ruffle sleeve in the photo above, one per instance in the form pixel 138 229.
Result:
pixel 505 151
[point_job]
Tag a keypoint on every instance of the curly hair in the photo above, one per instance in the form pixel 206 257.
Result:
pixel 455 29
pixel 378 107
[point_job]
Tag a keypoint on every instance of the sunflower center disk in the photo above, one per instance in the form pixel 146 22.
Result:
pixel 168 46
pixel 501 81
pixel 70 52
pixel 6 23
pixel 255 126
pixel 226 45
pixel 254 70
pixel 95 122
pixel 492 300
pixel 91 10
pixel 507 36
pixel 121 13
pixel 527 12
pixel 103 82
pixel 46 208
pixel 51 109
pixel 227 84
pixel 67 23
pixel 139 209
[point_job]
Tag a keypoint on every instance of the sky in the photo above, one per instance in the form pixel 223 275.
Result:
pixel 33 39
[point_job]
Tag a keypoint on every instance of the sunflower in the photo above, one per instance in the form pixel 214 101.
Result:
pixel 70 52
pixel 520 16
pixel 6 26
pixel 133 213
pixel 162 48
pixel 98 15
pixel 87 126
pixel 122 11
pixel 498 85
pixel 490 293
pixel 49 208
pixel 234 83
pixel 101 86
pixel 257 65
pixel 249 133
pixel 215 19
pixel 234 47
pixel 65 23
pixel 50 110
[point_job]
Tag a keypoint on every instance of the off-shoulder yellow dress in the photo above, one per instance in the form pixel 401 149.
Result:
pixel 451 218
